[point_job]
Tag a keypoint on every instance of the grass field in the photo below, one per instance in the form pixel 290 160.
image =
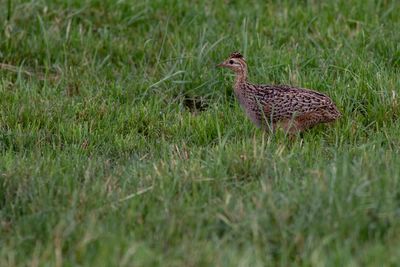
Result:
pixel 121 144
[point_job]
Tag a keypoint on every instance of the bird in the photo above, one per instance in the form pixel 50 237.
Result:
pixel 290 108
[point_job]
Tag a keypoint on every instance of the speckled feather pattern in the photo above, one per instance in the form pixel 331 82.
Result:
pixel 294 109
pixel 280 102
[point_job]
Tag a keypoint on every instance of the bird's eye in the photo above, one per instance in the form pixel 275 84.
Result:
pixel 231 61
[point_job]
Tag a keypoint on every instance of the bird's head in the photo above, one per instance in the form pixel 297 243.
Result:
pixel 235 62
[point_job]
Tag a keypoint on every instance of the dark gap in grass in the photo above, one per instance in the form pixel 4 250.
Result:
pixel 142 128
pixel 195 104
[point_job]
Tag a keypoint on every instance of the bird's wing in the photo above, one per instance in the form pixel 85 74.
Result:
pixel 286 102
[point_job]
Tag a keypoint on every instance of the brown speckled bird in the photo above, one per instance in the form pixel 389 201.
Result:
pixel 293 109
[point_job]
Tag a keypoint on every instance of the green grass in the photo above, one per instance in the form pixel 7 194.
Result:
pixel 121 144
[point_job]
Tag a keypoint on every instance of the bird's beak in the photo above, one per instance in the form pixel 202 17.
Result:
pixel 221 65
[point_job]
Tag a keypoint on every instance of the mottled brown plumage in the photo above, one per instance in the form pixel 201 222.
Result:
pixel 293 109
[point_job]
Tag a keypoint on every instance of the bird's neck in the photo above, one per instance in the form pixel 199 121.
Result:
pixel 241 77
